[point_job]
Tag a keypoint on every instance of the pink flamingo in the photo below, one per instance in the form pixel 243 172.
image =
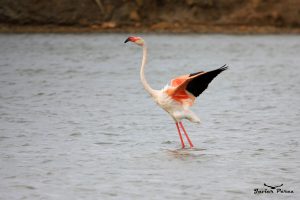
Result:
pixel 177 97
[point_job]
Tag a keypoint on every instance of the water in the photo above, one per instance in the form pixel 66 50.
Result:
pixel 77 124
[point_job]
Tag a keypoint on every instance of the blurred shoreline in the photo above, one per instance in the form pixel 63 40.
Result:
pixel 159 16
pixel 110 27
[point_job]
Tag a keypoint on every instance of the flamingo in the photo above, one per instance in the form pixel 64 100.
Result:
pixel 179 95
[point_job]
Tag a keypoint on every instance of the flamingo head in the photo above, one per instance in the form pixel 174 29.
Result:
pixel 137 40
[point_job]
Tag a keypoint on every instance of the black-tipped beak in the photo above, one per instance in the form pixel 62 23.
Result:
pixel 126 40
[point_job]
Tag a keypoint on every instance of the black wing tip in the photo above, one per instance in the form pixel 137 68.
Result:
pixel 223 68
pixel 193 74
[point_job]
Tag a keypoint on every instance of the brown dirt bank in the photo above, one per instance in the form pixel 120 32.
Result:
pixel 4 28
pixel 202 16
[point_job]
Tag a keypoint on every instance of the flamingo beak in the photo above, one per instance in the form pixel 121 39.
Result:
pixel 128 39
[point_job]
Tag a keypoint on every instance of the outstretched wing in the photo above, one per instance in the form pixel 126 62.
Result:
pixel 278 186
pixel 199 83
pixel 187 87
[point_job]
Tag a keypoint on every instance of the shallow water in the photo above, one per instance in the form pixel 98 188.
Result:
pixel 77 124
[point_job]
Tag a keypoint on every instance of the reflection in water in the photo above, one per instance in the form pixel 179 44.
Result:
pixel 187 153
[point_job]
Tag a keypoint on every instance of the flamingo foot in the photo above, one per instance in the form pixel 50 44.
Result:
pixel 180 136
pixel 186 135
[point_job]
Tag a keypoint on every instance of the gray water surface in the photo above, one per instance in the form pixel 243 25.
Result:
pixel 76 122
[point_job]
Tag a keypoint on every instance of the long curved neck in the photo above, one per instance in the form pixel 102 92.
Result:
pixel 142 73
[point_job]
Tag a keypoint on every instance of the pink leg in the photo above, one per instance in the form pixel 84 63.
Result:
pixel 180 136
pixel 186 135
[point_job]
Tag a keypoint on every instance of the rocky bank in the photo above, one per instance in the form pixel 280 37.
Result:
pixel 150 15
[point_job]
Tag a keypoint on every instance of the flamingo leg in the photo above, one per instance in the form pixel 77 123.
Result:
pixel 180 136
pixel 186 135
